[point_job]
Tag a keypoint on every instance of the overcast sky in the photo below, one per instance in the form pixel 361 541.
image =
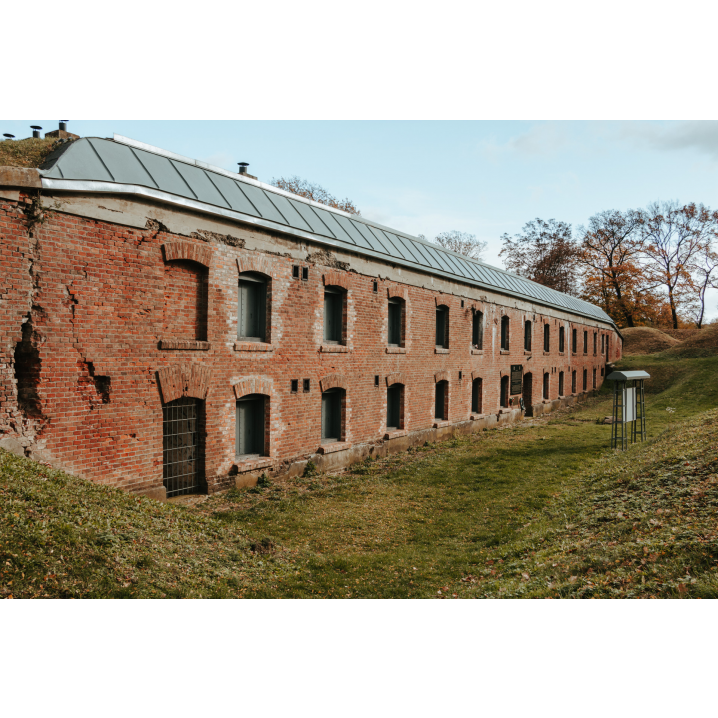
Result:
pixel 482 177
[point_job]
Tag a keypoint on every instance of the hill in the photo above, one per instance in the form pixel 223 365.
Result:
pixel 645 340
pixel 703 343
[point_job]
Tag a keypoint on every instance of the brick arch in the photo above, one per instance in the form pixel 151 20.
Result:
pixel 443 300
pixel 337 279
pixel 441 376
pixel 256 263
pixel 333 381
pixel 253 385
pixel 476 375
pixel 396 378
pixel 180 249
pixel 178 380
pixel 397 291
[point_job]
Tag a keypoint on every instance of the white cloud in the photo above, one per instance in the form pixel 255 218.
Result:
pixel 697 135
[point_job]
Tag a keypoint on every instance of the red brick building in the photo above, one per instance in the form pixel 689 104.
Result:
pixel 169 327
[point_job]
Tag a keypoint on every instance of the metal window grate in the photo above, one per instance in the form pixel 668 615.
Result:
pixel 182 459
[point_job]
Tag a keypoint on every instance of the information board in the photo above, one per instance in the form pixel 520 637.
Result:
pixel 517 376
pixel 629 404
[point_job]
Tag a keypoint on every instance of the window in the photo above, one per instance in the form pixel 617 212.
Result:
pixel 585 342
pixel 504 393
pixel 376 380
pixel 395 407
pixel 333 316
pixel 574 341
pixel 573 382
pixel 547 337
pixel 305 385
pixel 527 336
pixel 505 333
pixel 375 286
pixel 594 378
pixel 441 404
pixel 295 271
pixel 396 315
pixel 295 386
pixel 305 274
pixel 249 427
pixel 332 401
pixel 477 331
pixel 442 327
pixel 561 339
pixel 252 308
pixel 585 379
pixel 477 398
pixel 545 385
pixel 595 343
pixel 560 383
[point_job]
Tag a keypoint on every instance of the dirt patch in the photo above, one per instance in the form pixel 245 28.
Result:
pixel 645 340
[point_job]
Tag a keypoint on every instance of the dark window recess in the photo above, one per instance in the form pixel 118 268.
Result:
pixel 333 316
pixel 594 378
pixel 249 428
pixel 547 337
pixel 476 397
pixel 574 341
pixel 376 380
pixel 395 307
pixel 585 342
pixel 545 386
pixel 331 415
pixel 252 309
pixel 603 343
pixel 527 336
pixel 505 333
pixel 462 303
pixel 504 392
pixel 601 371
pixel 375 286
pixel 295 386
pixel 585 379
pixel 393 407
pixel 595 342
pixel 182 450
pixel 573 382
pixel 461 375
pixel 305 274
pixel 477 331
pixel 305 384
pixel 295 271
pixel 560 383
pixel 561 339
pixel 441 400
pixel 442 327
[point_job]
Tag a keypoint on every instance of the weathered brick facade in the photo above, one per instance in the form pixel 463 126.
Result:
pixel 111 307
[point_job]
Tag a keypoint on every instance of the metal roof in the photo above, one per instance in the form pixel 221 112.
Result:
pixel 122 165
pixel 627 375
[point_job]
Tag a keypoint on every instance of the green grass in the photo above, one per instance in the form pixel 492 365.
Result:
pixel 543 508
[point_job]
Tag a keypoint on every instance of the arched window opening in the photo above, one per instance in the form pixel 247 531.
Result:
pixel 594 378
pixel 395 407
pixel 585 342
pixel 251 426
pixel 477 398
pixel 441 402
pixel 396 322
pixel 477 330
pixel 585 379
pixel 505 333
pixel 527 336
pixel 560 383
pixel 333 415
pixel 252 307
pixel 334 315
pixel 442 327
pixel 573 381
pixel 504 393
pixel 595 343
pixel 574 341
pixel 545 385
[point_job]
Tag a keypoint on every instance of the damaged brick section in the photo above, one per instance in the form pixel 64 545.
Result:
pixel 326 259
pixel 227 239
pixel 95 388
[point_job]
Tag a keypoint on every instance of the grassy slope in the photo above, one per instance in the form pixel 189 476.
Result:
pixel 30 152
pixel 441 518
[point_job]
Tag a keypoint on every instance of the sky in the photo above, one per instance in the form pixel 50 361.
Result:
pixel 484 177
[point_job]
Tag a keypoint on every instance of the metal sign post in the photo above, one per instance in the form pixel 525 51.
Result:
pixel 629 408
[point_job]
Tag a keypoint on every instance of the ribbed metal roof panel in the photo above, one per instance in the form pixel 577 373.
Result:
pixel 130 163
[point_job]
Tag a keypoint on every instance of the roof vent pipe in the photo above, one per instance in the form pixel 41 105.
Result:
pixel 243 167
pixel 9 137
pixel 35 131
pixel 63 125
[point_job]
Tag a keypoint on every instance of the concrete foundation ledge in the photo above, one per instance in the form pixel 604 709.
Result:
pixel 332 448
pixel 159 493
pixel 395 434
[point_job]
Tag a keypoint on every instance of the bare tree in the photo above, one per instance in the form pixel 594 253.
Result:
pixel 545 253
pixel 610 254
pixel 705 276
pixel 315 192
pixel 672 238
pixel 461 243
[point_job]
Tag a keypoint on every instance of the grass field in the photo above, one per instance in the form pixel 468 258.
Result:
pixel 543 509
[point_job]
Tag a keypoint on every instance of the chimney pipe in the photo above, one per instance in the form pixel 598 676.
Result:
pixel 35 131
pixel 63 125
pixel 9 137
pixel 243 167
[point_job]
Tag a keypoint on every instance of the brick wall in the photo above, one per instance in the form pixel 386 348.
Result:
pixel 100 323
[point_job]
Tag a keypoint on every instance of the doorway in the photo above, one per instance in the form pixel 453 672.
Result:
pixel 528 395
